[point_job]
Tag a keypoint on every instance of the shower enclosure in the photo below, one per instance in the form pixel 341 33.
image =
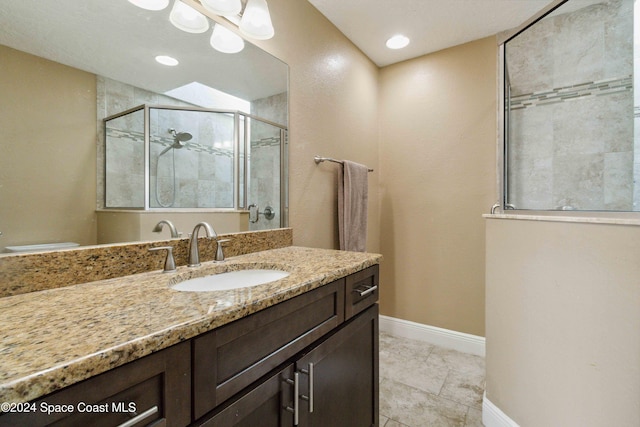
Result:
pixel 572 140
pixel 188 158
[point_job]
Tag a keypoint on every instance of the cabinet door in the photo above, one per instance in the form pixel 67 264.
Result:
pixel 339 377
pixel 264 406
pixel 232 357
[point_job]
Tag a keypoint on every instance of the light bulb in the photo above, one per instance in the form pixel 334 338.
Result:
pixel 225 40
pixel 256 21
pixel 150 4
pixel 187 18
pixel 223 7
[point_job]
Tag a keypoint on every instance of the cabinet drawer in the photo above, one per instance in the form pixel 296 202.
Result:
pixel 361 290
pixel 157 388
pixel 233 356
pixel 265 405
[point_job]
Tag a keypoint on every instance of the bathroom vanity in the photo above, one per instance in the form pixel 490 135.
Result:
pixel 131 351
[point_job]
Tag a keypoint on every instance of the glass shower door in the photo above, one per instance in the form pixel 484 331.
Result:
pixel 266 158
pixel 191 159
pixel 124 160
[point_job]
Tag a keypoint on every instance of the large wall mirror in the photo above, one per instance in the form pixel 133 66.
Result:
pixel 571 117
pixel 67 65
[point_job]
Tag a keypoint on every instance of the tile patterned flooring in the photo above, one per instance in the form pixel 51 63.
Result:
pixel 425 385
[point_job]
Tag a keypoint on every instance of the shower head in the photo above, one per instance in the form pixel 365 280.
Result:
pixel 182 136
pixel 179 138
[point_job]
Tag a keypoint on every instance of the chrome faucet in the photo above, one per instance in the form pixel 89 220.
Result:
pixel 194 257
pixel 172 228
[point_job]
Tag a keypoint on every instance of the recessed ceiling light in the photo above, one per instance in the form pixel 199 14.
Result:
pixel 397 42
pixel 167 60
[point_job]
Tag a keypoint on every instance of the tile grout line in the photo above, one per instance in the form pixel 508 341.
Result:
pixel 467 418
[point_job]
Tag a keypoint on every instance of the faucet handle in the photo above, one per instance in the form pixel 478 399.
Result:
pixel 169 262
pixel 220 250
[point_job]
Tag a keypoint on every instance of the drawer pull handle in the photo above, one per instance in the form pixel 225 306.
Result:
pixel 135 420
pixel 310 397
pixel 296 402
pixel 367 291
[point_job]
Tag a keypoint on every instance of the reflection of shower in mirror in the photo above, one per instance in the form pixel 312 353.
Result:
pixel 179 141
pixel 186 157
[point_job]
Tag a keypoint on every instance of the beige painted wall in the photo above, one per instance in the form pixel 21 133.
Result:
pixel 433 145
pixel 51 119
pixel 437 178
pixel 563 323
pixel 333 112
pixel 132 226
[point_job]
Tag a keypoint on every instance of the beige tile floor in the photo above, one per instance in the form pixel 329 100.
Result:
pixel 425 385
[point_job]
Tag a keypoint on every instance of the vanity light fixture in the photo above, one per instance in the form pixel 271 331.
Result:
pixel 187 18
pixel 397 42
pixel 167 60
pixel 225 41
pixel 150 4
pixel 223 7
pixel 256 20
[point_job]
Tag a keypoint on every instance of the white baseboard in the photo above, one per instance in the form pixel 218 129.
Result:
pixel 459 341
pixel 492 416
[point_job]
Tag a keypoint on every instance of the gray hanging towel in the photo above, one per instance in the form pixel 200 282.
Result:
pixel 352 206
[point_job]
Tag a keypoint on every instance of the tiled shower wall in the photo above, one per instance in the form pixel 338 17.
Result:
pixel 571 128
pixel 203 168
pixel 636 107
pixel 114 97
pixel 265 158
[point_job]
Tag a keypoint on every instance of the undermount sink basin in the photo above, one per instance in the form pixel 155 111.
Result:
pixel 230 280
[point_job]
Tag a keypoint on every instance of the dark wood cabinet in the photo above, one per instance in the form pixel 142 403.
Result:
pixel 232 357
pixel 332 363
pixel 340 381
pixel 308 361
pixel 336 380
pixel 361 290
pixel 154 390
pixel 269 404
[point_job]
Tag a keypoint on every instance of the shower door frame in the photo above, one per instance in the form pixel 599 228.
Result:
pixel 240 199
pixel 503 108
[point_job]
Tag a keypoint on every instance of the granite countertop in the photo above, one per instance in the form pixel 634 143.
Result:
pixel 54 338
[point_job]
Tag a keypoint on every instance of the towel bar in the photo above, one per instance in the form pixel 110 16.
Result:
pixel 319 160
